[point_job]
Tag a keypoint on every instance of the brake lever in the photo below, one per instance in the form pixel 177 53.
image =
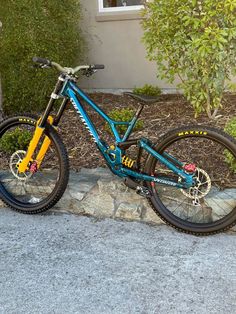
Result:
pixel 45 66
pixel 40 66
pixel 89 72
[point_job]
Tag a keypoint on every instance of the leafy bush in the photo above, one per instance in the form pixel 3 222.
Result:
pixel 31 28
pixel 124 115
pixel 194 40
pixel 15 140
pixel 148 90
pixel 230 128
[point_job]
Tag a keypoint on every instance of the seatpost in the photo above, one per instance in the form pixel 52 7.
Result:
pixel 140 108
pixel 134 120
pixel 53 97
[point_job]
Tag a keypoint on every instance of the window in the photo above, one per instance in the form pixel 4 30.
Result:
pixel 119 5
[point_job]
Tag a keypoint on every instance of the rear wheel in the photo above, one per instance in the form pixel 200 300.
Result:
pixel 36 190
pixel 210 205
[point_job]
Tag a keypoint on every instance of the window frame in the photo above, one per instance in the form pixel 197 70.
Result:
pixel 118 9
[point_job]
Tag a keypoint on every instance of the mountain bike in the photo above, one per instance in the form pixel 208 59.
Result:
pixel 187 189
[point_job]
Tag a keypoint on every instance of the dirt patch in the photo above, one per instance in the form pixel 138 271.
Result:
pixel 169 112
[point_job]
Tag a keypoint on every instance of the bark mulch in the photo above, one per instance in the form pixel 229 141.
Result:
pixel 169 112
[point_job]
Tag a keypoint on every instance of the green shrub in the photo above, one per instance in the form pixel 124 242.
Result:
pixel 15 140
pixel 47 29
pixel 230 128
pixel 147 90
pixel 124 115
pixel 195 41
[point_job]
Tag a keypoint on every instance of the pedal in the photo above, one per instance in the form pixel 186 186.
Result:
pixel 141 190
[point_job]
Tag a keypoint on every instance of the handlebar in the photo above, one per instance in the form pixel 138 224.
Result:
pixel 47 63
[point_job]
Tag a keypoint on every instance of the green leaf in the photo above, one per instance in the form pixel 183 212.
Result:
pixel 194 40
pixel 48 29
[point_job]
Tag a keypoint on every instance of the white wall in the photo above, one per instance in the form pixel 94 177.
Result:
pixel 115 41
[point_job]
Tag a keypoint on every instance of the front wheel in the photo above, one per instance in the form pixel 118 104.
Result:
pixel 209 206
pixel 30 192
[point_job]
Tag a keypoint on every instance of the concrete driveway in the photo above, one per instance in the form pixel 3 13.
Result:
pixel 60 263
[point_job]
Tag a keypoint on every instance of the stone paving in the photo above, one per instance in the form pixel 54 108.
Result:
pixel 97 192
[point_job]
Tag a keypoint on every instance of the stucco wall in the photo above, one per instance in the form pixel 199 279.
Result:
pixel 115 40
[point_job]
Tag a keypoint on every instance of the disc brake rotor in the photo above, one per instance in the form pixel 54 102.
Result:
pixel 201 188
pixel 15 159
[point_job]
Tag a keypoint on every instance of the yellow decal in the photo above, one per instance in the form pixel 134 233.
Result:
pixel 27 120
pixel 192 133
pixel 128 162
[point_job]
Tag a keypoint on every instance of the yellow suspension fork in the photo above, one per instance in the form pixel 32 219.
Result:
pixel 24 164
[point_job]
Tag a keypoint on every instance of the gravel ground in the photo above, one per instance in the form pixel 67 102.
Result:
pixel 61 263
pixel 169 112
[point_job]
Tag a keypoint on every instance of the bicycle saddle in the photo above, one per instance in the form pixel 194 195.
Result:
pixel 147 100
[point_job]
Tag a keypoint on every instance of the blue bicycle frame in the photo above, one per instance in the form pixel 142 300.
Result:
pixel 113 155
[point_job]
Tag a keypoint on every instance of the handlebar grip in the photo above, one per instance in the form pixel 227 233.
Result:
pixel 42 60
pixel 98 66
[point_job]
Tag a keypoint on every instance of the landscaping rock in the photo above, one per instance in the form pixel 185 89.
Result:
pixel 99 193
pixel 223 202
